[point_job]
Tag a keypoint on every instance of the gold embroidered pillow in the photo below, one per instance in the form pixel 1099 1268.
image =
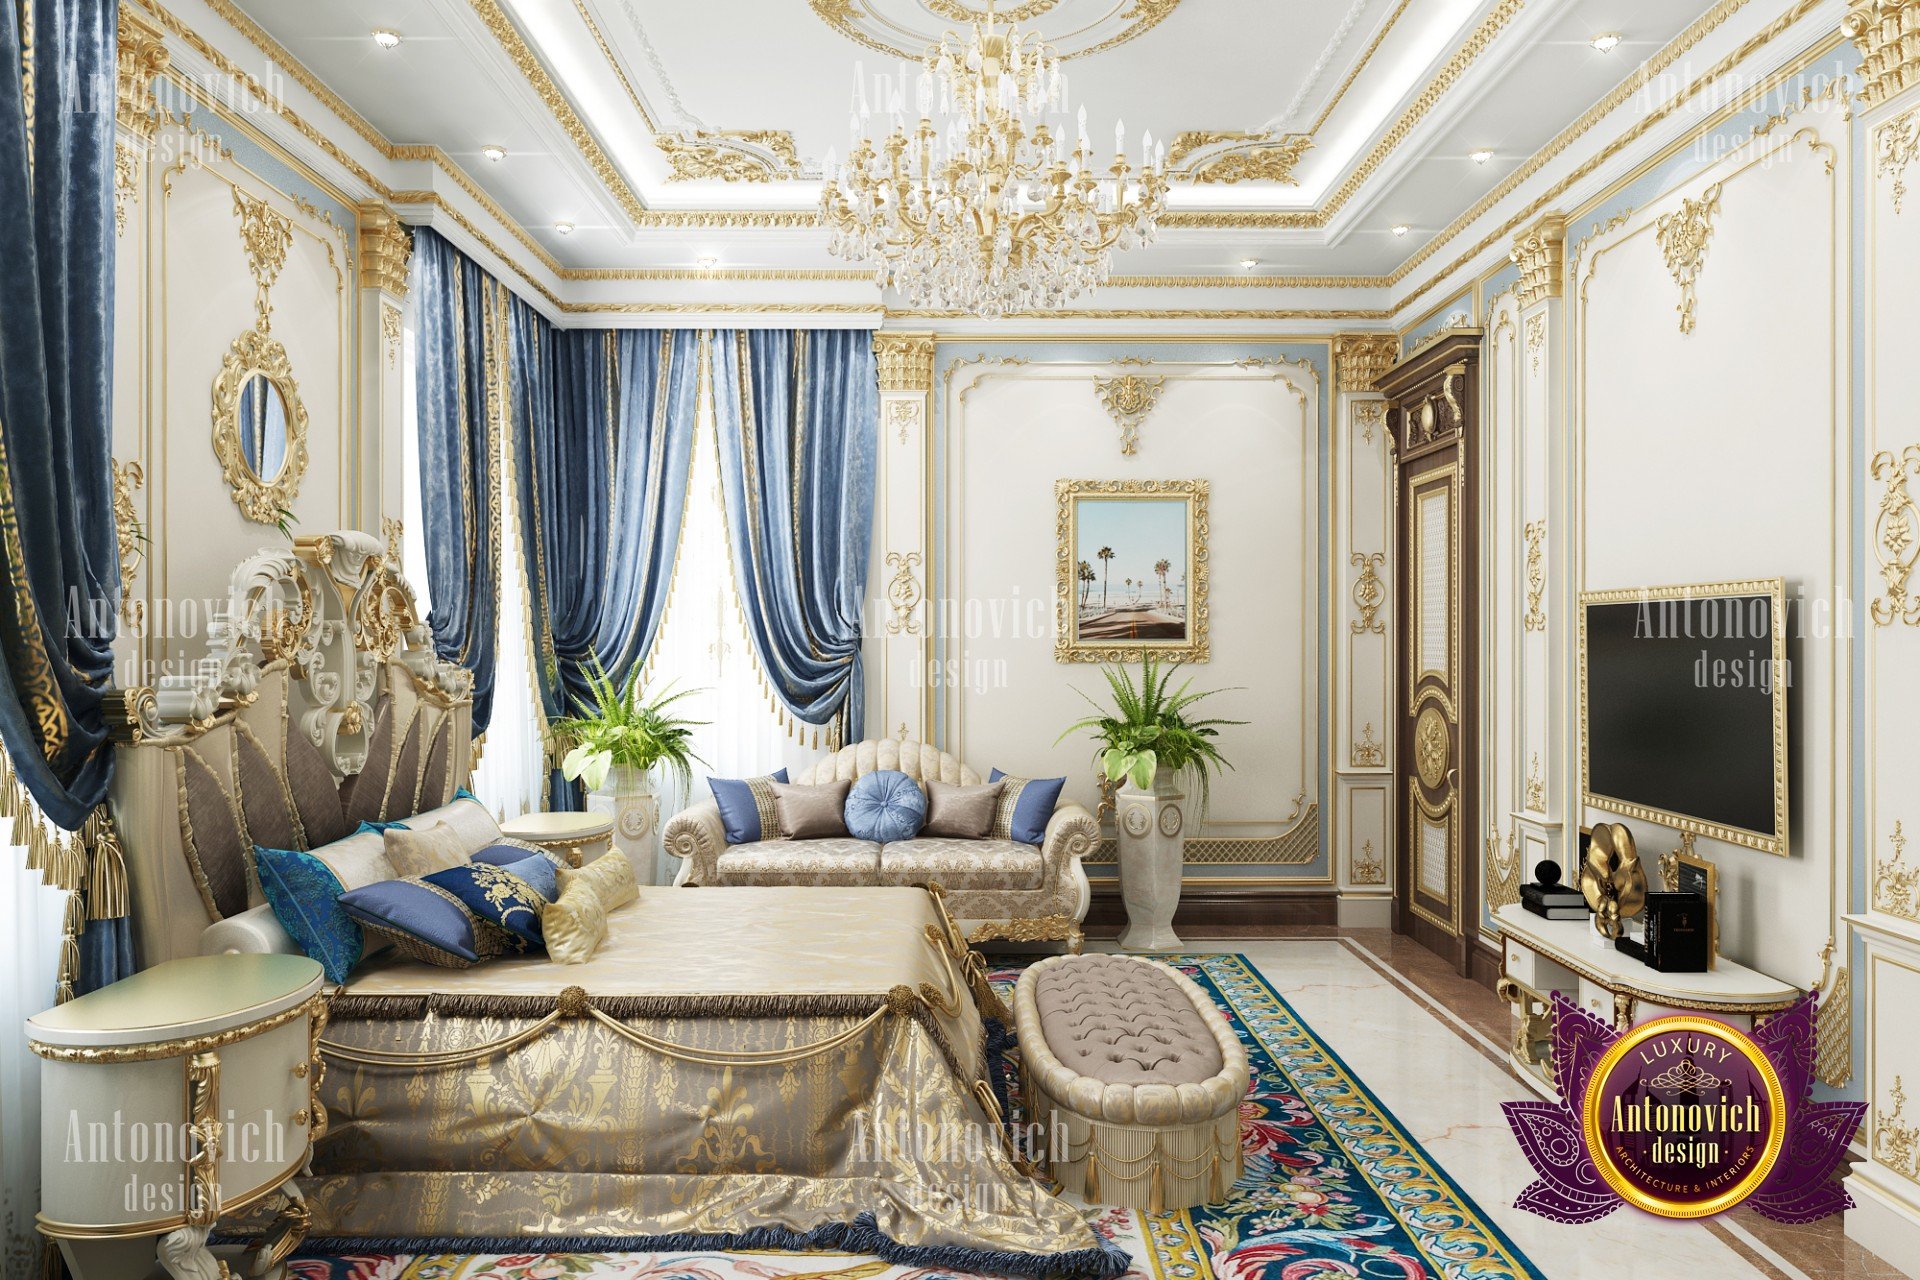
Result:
pixel 421 853
pixel 610 876
pixel 576 925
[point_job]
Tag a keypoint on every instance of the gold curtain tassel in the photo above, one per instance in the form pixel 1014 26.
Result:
pixel 27 832
pixel 1093 1168
pixel 1157 1191
pixel 67 869
pixel 107 887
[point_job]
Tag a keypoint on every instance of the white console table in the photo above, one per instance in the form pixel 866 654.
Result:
pixel 1541 957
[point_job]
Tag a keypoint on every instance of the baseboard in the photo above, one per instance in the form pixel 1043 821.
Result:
pixel 1486 963
pixel 1883 1223
pixel 1253 911
pixel 1366 911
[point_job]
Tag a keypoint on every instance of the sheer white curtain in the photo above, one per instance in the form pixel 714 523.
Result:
pixel 703 645
pixel 31 915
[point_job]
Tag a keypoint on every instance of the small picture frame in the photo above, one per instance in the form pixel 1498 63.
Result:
pixel 1687 872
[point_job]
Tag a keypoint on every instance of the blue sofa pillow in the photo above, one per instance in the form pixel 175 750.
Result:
pixel 747 807
pixel 1025 806
pixel 507 852
pixel 303 892
pixel 886 805
pixel 510 896
pixel 425 922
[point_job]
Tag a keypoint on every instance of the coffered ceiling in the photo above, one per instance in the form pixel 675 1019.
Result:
pixel 1309 137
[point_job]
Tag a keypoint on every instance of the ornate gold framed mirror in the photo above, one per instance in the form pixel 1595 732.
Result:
pixel 259 426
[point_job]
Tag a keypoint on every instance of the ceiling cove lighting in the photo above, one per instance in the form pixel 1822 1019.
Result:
pixel 494 153
pixel 1607 42
pixel 981 206
pixel 386 39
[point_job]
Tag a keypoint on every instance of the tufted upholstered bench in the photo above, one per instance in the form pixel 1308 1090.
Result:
pixel 1143 1072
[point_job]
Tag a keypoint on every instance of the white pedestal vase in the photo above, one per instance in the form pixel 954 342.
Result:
pixel 1151 831
pixel 627 797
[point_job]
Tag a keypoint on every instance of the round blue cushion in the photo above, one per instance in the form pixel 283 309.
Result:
pixel 885 806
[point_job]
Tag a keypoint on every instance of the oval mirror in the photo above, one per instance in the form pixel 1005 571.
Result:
pixel 262 414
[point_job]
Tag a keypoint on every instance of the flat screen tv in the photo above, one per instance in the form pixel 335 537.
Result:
pixel 1683 708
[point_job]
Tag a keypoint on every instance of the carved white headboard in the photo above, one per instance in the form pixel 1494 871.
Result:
pixel 320 704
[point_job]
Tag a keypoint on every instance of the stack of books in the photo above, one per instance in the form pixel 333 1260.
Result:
pixel 1555 902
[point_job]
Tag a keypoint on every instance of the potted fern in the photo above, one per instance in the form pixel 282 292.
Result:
pixel 1151 741
pixel 616 741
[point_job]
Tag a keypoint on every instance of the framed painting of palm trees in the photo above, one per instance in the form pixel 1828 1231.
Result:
pixel 1131 560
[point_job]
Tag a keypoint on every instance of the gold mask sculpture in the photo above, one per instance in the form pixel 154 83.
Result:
pixel 1612 879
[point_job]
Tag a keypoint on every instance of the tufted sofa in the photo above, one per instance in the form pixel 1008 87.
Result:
pixel 995 889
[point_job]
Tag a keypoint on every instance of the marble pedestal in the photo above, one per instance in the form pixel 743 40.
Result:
pixel 1151 833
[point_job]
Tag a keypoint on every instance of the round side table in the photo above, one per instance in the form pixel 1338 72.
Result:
pixel 185 1092
pixel 577 837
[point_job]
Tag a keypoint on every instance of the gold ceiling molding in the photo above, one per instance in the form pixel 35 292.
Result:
pixel 386 249
pixel 844 15
pixel 733 155
pixel 905 360
pixel 1161 313
pixel 1239 157
pixel 1684 236
pixel 1359 359
pixel 1541 254
pixel 619 72
pixel 141 56
pixel 1887 33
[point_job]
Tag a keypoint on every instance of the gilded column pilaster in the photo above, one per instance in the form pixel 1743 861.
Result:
pixel 900 682
pixel 385 252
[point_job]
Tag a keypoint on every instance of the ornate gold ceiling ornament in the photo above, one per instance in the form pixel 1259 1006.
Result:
pixel 1541 254
pixel 141 56
pixel 386 249
pixel 850 18
pixel 1232 157
pixel 1359 359
pixel 1684 235
pixel 1887 33
pixel 1896 537
pixel 756 155
pixel 1128 400
pixel 905 360
pixel 266 235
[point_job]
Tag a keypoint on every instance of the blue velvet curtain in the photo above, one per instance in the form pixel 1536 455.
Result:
pixel 603 435
pixel 460 371
pixel 57 547
pixel 798 419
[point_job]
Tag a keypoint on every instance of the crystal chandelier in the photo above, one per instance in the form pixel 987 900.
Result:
pixel 981 207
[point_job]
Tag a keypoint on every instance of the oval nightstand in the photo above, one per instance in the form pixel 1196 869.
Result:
pixel 186 1091
pixel 577 837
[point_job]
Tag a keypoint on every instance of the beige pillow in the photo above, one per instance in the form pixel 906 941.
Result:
pixel 421 853
pixel 812 813
pixel 576 925
pixel 960 813
pixel 609 876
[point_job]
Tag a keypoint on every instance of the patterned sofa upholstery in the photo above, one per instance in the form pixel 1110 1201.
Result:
pixel 995 889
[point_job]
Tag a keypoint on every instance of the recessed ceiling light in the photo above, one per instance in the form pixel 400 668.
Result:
pixel 494 153
pixel 1402 229
pixel 1607 42
pixel 1248 264
pixel 564 228
pixel 386 39
pixel 1481 156
pixel 708 261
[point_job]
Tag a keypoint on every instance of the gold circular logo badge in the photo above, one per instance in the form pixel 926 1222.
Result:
pixel 1684 1117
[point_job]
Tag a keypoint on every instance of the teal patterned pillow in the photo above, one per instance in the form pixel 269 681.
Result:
pixel 303 892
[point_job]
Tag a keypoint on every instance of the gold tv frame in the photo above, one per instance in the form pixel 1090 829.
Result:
pixel 1776 590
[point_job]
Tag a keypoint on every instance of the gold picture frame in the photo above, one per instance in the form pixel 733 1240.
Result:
pixel 1164 611
pixel 1776 591
pixel 257 353
pixel 1684 866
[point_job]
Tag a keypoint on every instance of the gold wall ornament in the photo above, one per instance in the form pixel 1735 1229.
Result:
pixel 130 536
pixel 1896 886
pixel 747 155
pixel 1370 414
pixel 1367 753
pixel 1367 867
pixel 1071 563
pixel 1128 399
pixel 256 354
pixel 1896 1145
pixel 1887 33
pixel 903 593
pixel 126 183
pixel 1503 867
pixel 1359 359
pixel 903 416
pixel 386 249
pixel 1369 593
pixel 1430 739
pixel 905 360
pixel 1897 147
pixel 1536 787
pixel 1234 157
pixel 1536 615
pixel 1896 537
pixel 1541 254
pixel 1683 236
pixel 390 329
pixel 1536 337
pixel 266 235
pixel 140 55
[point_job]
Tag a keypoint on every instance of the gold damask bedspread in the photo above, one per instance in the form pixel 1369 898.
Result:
pixel 739 1067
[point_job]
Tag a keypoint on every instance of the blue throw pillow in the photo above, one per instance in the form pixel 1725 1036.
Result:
pixel 302 890
pixel 747 808
pixel 507 852
pixel 425 922
pixel 509 896
pixel 886 805
pixel 380 828
pixel 1026 804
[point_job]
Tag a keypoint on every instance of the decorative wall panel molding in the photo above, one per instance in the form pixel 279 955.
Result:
pixel 1367 865
pixel 1896 886
pixel 1684 236
pixel 1128 399
pixel 1295 847
pixel 1536 615
pixel 1368 753
pixel 131 537
pixel 1503 869
pixel 903 593
pixel 1896 537
pixel 1899 147
pixel 1369 593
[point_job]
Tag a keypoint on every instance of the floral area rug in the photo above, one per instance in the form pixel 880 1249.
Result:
pixel 1334 1187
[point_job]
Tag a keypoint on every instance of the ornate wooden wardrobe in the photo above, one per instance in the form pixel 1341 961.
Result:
pixel 1433 418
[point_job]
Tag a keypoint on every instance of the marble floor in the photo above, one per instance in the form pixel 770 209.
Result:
pixel 1431 1046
